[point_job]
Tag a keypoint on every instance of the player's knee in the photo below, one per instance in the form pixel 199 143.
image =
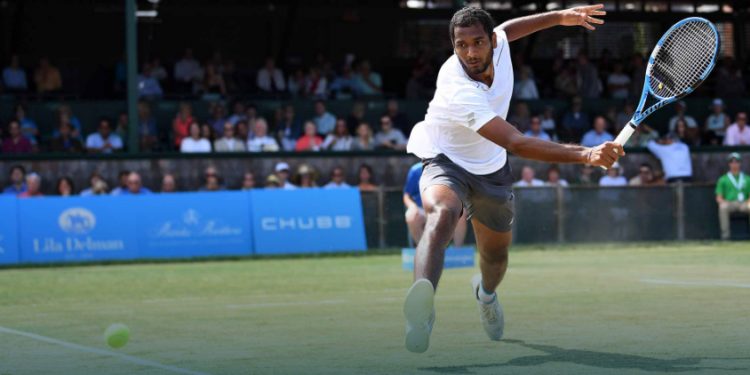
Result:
pixel 498 256
pixel 413 215
pixel 443 213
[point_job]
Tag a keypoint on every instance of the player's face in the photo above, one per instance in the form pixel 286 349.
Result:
pixel 474 48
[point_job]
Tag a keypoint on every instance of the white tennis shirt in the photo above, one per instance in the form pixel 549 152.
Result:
pixel 461 107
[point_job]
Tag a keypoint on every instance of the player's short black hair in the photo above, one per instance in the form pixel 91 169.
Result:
pixel 470 16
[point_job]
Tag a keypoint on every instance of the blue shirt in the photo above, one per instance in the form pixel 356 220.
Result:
pixel 127 192
pixel 325 123
pixel 12 189
pixel 95 140
pixel 14 78
pixel 412 183
pixel 591 138
pixel 148 86
pixel 542 135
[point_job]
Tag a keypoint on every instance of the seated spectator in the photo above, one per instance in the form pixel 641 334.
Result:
pixel 207 132
pixel 17 181
pixel 282 174
pixel 212 184
pixel 196 142
pixel 64 142
pixel 365 178
pixel 306 176
pixel 148 86
pixel 613 177
pixel 28 126
pixel 289 129
pixel 553 177
pixel 272 182
pixel 64 187
pixel 323 119
pixel 270 78
pixel 535 129
pixel 122 181
pixel 65 114
pixel 261 141
pixel 364 140
pixel 738 134
pixel 16 143
pixel 297 83
pixel 181 123
pixel 389 137
pixel 248 181
pixel 14 77
pixel 598 134
pixel 339 139
pixel 317 85
pixel 94 179
pixel 399 119
pixel 618 82
pixel 218 117
pixel 239 113
pixel 34 185
pixel 228 143
pixel 103 141
pixel 680 109
pixel 575 121
pixel 642 136
pixel 158 71
pixel 645 176
pixel 168 184
pixel 242 132
pixel 356 117
pixel 187 71
pixel 675 158
pixel 338 179
pixel 147 127
pixel 520 117
pixel 310 141
pixel 527 178
pixel 214 83
pixel 47 77
pixel 688 136
pixel 369 82
pixel 732 193
pixel 716 123
pixel 345 86
pixel 525 87
pixel 549 125
pixel 135 186
pixel 587 176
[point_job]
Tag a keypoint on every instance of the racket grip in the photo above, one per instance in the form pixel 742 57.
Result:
pixel 624 136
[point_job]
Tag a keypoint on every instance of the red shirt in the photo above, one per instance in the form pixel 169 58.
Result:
pixel 305 143
pixel 26 194
pixel 181 129
pixel 18 146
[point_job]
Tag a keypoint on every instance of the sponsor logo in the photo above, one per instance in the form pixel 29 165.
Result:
pixel 272 223
pixel 192 224
pixel 77 220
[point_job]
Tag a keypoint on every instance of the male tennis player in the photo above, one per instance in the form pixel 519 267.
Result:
pixel 463 144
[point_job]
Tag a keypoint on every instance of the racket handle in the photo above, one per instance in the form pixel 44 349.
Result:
pixel 624 136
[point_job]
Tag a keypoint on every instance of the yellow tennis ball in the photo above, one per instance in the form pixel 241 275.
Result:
pixel 661 85
pixel 117 335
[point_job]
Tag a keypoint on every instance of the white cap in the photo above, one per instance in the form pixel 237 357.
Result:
pixel 282 166
pixel 718 101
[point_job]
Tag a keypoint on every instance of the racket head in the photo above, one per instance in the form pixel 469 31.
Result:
pixel 683 57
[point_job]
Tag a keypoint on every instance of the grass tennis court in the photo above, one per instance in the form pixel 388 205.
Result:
pixel 624 309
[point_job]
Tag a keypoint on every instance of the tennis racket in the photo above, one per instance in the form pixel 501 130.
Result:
pixel 681 60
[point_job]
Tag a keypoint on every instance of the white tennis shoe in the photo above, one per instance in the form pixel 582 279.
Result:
pixel 490 314
pixel 419 311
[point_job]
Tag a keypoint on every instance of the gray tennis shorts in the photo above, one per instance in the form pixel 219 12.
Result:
pixel 488 198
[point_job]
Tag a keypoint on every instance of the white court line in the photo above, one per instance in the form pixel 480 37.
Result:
pixel 696 283
pixel 124 357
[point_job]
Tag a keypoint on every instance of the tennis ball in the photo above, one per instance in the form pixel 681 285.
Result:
pixel 117 335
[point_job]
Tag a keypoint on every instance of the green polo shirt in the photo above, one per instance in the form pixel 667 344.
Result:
pixel 727 190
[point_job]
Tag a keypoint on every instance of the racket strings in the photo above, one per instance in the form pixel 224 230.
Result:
pixel 684 57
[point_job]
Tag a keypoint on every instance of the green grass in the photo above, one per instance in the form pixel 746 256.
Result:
pixel 569 309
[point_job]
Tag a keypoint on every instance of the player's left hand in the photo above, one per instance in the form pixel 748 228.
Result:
pixel 583 16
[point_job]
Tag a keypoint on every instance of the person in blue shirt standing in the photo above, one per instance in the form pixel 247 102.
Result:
pixel 415 217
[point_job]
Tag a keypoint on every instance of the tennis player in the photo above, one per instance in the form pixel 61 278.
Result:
pixel 463 143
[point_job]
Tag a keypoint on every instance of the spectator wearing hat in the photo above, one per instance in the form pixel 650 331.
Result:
pixel 680 109
pixel 34 184
pixel 282 174
pixel 738 134
pixel 306 176
pixel 716 123
pixel 272 182
pixel 732 193
pixel 613 177
pixel 674 156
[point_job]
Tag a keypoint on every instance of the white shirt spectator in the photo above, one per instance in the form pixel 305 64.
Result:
pixel 333 185
pixel 260 144
pixel 737 137
pixel 674 157
pixel 525 89
pixel 95 141
pixel 337 143
pixel 560 182
pixel 533 183
pixel 225 144
pixel 271 81
pixel 613 181
pixel 548 124
pixel 190 145
pixel 619 79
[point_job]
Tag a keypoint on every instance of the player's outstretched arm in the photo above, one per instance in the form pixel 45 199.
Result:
pixel 504 134
pixel 584 16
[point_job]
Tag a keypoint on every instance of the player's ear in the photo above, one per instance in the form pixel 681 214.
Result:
pixel 494 40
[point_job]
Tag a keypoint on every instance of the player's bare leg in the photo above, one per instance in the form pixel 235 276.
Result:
pixel 415 220
pixel 459 235
pixel 493 262
pixel 442 210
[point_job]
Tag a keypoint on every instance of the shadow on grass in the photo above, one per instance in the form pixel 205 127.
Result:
pixel 603 360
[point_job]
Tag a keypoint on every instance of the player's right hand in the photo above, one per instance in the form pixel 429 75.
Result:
pixel 605 154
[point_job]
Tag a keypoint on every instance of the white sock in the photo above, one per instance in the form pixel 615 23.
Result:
pixel 484 296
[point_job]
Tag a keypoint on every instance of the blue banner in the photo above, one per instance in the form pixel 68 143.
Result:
pixel 77 229
pixel 307 221
pixel 194 224
pixel 455 257
pixel 8 231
